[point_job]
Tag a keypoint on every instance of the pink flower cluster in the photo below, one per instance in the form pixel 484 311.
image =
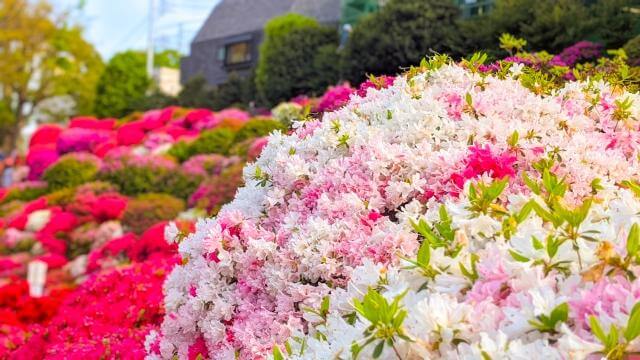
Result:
pixel 334 98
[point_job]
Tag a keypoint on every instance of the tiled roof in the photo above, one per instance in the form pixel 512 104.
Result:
pixel 235 17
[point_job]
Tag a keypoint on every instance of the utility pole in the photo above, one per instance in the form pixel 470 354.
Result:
pixel 180 35
pixel 150 45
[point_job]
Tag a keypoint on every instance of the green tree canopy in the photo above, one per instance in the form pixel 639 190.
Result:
pixel 552 25
pixel 41 57
pixel 400 34
pixel 167 58
pixel 291 60
pixel 123 83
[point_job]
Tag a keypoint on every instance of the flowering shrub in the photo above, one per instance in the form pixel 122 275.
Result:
pixel 579 52
pixel 207 165
pixel 39 159
pixel 454 214
pixel 334 98
pixel 217 191
pixel 80 140
pixel 109 314
pixel 89 233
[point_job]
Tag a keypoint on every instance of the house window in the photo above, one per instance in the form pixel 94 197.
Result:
pixel 237 53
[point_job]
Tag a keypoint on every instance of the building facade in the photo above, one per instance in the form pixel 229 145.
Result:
pixel 230 38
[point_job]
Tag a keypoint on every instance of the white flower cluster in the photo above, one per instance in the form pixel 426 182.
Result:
pixel 474 217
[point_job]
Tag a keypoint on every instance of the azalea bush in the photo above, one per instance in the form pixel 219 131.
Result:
pixel 455 212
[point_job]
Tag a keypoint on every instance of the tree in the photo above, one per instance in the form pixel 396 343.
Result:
pixel 615 23
pixel 41 57
pixel 237 92
pixel 400 34
pixel 122 84
pixel 196 93
pixel 167 58
pixel 632 48
pixel 553 25
pixel 288 64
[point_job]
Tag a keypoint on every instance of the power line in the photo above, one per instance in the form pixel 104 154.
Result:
pixel 134 30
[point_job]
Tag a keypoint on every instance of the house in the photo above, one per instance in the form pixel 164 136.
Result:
pixel 230 38
pixel 471 8
pixel 167 80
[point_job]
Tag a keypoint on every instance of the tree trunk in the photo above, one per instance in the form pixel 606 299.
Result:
pixel 11 138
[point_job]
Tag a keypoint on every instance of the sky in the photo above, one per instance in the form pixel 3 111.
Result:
pixel 117 25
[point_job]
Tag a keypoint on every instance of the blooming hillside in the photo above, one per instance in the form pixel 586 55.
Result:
pixel 92 203
pixel 454 214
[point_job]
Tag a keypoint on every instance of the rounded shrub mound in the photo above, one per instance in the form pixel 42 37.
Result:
pixel 257 128
pixel 149 209
pixel 72 170
pixel 453 214
pixel 136 175
pixel 217 141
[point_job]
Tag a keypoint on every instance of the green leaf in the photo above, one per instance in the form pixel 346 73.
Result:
pixel 537 244
pixel 596 329
pixel 424 254
pixel 277 354
pixel 513 139
pixel 633 324
pixel 378 350
pixel 468 99
pixel 324 306
pixel 633 240
pixel 518 257
pixel 531 184
pixel 633 186
pixel 560 313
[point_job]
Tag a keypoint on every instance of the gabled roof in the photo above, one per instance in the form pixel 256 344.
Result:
pixel 236 17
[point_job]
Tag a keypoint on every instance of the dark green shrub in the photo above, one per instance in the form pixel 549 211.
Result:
pixel 401 34
pixel 552 25
pixel 281 74
pixel 237 92
pixel 257 128
pixel 135 180
pixel 155 100
pixel 632 48
pixel 196 93
pixel 149 209
pixel 216 141
pixel 69 172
